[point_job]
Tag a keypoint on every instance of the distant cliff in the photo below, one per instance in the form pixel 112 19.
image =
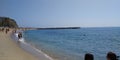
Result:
pixel 8 22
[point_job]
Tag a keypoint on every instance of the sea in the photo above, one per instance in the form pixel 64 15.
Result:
pixel 73 44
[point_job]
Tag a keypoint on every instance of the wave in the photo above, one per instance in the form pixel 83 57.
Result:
pixel 31 49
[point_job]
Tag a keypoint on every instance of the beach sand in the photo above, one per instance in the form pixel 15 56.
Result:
pixel 9 50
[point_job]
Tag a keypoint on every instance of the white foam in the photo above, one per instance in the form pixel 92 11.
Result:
pixel 16 35
pixel 22 40
pixel 43 54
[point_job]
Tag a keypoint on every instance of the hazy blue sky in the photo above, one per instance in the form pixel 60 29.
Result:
pixel 53 13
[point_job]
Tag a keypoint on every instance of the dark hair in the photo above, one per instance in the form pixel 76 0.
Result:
pixel 89 56
pixel 112 56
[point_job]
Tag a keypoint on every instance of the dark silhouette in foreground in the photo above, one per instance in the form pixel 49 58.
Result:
pixel 89 56
pixel 111 56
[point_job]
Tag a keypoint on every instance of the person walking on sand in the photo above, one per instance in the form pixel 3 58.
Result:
pixel 7 30
pixel 111 56
pixel 2 29
pixel 89 56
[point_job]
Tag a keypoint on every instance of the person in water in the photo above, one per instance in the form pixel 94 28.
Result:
pixel 89 56
pixel 111 56
pixel 19 35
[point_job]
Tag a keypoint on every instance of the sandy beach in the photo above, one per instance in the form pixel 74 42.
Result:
pixel 9 50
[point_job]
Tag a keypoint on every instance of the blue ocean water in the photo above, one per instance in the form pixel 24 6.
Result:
pixel 72 44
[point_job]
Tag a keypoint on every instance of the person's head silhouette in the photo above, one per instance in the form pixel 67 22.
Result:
pixel 111 56
pixel 89 56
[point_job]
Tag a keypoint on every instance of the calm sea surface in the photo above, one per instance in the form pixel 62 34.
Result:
pixel 72 44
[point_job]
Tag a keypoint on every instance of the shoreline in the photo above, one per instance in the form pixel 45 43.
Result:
pixel 11 50
pixel 31 49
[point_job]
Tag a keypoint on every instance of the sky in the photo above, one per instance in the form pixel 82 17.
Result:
pixel 62 13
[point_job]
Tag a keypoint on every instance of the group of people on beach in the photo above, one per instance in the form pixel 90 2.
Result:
pixel 19 34
pixel 110 56
pixel 6 30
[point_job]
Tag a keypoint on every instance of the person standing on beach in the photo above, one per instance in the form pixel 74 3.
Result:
pixel 7 30
pixel 2 29
pixel 89 56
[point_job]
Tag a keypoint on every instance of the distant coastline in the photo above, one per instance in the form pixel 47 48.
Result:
pixel 52 28
pixel 60 28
